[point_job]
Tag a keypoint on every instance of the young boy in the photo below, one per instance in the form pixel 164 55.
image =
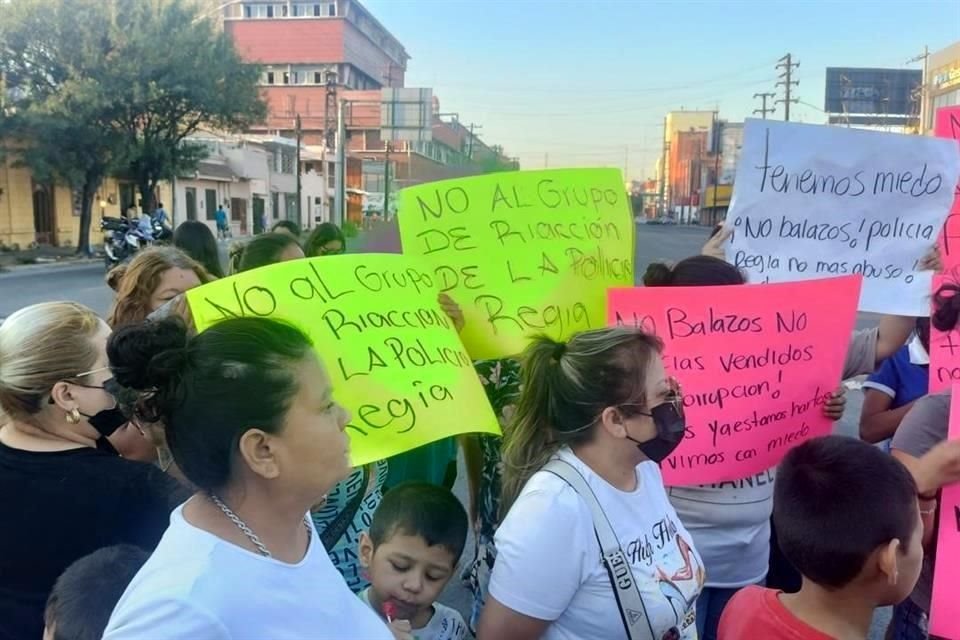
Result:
pixel 85 595
pixel 410 553
pixel 848 519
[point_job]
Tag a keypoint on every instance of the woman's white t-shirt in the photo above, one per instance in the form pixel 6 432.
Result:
pixel 549 564
pixel 196 585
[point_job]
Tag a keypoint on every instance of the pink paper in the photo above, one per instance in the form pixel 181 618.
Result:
pixel 944 347
pixel 756 363
pixel 945 604
pixel 947 125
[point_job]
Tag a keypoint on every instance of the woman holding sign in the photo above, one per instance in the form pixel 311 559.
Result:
pixel 595 417
pixel 729 521
pixel 252 423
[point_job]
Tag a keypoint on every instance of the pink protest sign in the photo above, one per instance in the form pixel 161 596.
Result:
pixel 944 346
pixel 947 125
pixel 756 363
pixel 945 605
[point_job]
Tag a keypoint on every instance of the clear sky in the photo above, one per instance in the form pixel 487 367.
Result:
pixel 588 82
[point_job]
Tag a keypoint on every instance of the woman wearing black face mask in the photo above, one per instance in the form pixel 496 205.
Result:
pixel 601 412
pixel 64 491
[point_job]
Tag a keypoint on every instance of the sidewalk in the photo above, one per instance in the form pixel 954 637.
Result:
pixel 45 256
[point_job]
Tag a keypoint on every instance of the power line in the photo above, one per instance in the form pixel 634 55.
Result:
pixel 552 90
pixel 788 65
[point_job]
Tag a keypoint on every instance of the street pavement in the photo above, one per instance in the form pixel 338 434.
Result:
pixel 84 283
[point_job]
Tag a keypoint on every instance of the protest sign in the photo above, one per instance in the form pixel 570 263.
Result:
pixel 944 603
pixel 523 252
pixel 813 201
pixel 394 357
pixel 947 125
pixel 944 345
pixel 756 364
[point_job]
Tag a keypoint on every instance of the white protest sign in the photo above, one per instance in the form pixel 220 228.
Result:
pixel 811 201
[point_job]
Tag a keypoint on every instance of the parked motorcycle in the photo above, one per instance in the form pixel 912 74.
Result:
pixel 122 239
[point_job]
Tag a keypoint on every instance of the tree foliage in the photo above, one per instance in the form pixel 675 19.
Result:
pixel 179 73
pixel 55 119
pixel 116 86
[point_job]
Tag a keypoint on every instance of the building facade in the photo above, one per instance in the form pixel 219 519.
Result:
pixel 943 82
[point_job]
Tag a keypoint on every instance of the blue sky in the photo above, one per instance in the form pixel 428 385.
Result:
pixel 587 82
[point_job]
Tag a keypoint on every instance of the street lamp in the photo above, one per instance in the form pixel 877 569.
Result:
pixel 103 207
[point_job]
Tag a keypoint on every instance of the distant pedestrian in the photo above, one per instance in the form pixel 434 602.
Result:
pixel 223 229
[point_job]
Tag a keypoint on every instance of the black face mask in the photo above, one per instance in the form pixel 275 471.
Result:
pixel 107 421
pixel 671 426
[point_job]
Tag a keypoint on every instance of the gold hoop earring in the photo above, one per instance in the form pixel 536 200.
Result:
pixel 73 416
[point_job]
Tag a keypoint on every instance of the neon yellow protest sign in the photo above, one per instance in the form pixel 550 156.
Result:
pixel 523 252
pixel 393 355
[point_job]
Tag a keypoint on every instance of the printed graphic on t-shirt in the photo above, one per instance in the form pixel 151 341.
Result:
pixel 677 576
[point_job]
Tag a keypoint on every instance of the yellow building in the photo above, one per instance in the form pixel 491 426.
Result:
pixel 34 213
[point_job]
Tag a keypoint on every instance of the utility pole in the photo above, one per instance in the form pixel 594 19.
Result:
pixel 717 150
pixel 299 175
pixel 386 181
pixel 788 65
pixel 924 93
pixel 470 141
pixel 340 204
pixel 661 205
pixel 763 111
pixel 329 139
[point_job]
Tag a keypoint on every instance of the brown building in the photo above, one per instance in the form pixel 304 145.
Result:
pixel 688 156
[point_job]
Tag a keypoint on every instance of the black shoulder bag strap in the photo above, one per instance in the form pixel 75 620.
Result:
pixel 338 526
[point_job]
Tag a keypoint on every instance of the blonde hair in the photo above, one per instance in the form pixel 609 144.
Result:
pixel 41 345
pixel 136 282
pixel 566 386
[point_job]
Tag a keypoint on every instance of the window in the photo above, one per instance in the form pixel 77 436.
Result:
pixel 316 11
pixel 286 160
pixel 332 10
pixel 286 77
pixel 247 11
pixel 275 205
pixel 318 77
pixel 269 10
pixel 269 75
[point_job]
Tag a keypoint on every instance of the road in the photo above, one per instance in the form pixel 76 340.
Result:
pixel 85 284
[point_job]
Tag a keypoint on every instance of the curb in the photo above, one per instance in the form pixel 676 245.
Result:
pixel 59 264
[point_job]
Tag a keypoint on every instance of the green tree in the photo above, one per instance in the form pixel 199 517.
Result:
pixel 179 73
pixel 55 120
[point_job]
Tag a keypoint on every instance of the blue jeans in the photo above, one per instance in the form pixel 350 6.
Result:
pixel 710 605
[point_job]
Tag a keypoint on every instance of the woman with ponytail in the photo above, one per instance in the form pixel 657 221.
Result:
pixel 602 408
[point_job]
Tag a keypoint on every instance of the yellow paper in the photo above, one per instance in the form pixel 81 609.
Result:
pixel 523 253
pixel 394 357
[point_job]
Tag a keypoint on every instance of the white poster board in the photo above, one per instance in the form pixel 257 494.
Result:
pixel 811 201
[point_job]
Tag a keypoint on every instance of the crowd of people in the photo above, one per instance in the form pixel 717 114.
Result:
pixel 157 482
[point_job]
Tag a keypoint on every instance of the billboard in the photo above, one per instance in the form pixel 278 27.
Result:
pixel 872 96
pixel 406 114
